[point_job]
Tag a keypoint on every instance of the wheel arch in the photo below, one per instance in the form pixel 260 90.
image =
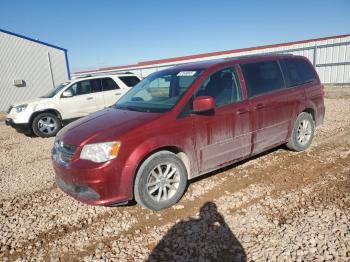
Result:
pixel 170 148
pixel 173 149
pixel 48 110
pixel 310 111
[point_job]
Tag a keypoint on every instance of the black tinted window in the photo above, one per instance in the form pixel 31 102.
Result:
pixel 81 88
pixel 223 86
pixel 109 84
pixel 298 72
pixel 129 80
pixel 96 85
pixel 262 77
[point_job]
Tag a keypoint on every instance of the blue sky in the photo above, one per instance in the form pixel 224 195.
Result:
pixel 109 33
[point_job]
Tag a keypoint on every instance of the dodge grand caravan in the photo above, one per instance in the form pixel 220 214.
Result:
pixel 70 100
pixel 182 122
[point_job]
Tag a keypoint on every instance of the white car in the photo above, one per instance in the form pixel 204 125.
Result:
pixel 69 101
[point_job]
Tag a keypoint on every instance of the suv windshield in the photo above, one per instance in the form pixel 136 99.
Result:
pixel 54 91
pixel 158 92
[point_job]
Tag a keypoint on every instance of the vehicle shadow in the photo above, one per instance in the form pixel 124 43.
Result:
pixel 207 238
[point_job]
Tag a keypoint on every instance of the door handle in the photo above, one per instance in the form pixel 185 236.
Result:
pixel 242 111
pixel 89 98
pixel 259 106
pixel 117 94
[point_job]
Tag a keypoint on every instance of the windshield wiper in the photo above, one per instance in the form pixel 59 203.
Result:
pixel 137 109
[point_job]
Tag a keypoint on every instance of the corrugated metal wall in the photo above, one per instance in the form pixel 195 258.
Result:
pixel 22 59
pixel 331 58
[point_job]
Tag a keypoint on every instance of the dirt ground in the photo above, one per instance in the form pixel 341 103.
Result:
pixel 278 206
pixel 2 116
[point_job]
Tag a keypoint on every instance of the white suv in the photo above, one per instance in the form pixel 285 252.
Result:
pixel 70 100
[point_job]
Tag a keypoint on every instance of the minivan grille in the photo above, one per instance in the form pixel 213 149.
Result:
pixel 63 153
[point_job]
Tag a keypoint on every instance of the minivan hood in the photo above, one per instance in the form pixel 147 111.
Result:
pixel 103 126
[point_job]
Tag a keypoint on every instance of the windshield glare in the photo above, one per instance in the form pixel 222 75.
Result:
pixel 158 92
pixel 56 90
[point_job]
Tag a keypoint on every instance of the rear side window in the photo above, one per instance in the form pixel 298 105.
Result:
pixel 130 81
pixel 298 72
pixel 262 77
pixel 109 84
pixel 96 85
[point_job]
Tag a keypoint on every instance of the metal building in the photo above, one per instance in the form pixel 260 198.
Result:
pixel 329 55
pixel 29 68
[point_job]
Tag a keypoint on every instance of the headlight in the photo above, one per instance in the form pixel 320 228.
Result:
pixel 100 152
pixel 21 108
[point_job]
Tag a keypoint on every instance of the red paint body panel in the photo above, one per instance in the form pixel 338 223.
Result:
pixel 223 136
pixel 212 140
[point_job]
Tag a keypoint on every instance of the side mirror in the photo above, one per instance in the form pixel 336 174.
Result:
pixel 203 104
pixel 67 94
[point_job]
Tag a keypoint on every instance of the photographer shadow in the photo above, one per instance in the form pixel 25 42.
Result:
pixel 207 238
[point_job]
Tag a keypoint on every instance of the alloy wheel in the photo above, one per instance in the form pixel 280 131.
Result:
pixel 163 182
pixel 47 125
pixel 304 132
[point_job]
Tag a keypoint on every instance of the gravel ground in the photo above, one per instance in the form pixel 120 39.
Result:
pixel 2 116
pixel 278 206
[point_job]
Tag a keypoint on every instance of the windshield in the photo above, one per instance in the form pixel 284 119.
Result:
pixel 54 91
pixel 158 92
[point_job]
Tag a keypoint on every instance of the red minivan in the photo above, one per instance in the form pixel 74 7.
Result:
pixel 185 121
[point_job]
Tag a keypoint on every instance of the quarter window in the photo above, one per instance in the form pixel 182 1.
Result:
pixel 109 84
pixel 298 72
pixel 262 77
pixel 223 86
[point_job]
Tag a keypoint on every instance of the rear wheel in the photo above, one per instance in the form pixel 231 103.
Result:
pixel 46 125
pixel 160 181
pixel 302 133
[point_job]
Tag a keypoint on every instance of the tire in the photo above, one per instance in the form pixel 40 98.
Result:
pixel 46 125
pixel 146 182
pixel 302 133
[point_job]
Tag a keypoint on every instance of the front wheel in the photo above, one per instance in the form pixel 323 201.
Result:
pixel 46 125
pixel 160 181
pixel 302 133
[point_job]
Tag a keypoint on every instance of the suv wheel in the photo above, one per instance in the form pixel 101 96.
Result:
pixel 160 181
pixel 46 125
pixel 302 133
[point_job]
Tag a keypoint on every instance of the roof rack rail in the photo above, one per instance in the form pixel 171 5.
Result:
pixel 82 76
pixel 102 74
pixel 257 55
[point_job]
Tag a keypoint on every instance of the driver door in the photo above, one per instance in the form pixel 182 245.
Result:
pixel 83 101
pixel 224 134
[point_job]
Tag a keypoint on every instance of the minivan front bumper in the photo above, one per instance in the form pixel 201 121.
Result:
pixel 82 192
pixel 92 183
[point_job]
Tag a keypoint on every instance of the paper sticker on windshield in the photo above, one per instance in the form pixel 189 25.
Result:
pixel 187 73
